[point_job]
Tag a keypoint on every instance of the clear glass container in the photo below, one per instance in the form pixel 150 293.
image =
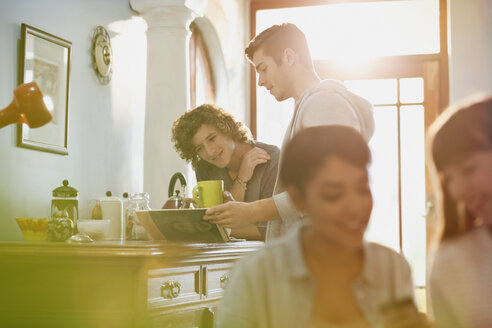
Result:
pixel 136 202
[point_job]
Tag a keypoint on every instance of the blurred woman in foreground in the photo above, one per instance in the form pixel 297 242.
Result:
pixel 461 278
pixel 323 274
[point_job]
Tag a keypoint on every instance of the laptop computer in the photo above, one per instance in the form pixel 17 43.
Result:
pixel 181 225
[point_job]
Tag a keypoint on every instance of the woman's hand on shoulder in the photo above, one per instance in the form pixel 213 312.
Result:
pixel 250 160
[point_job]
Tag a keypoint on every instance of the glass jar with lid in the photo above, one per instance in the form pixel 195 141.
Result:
pixel 136 202
pixel 65 203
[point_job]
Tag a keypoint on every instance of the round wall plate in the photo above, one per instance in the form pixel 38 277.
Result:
pixel 102 55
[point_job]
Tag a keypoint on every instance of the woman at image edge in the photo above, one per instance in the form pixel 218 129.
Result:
pixel 461 276
pixel 221 148
pixel 323 274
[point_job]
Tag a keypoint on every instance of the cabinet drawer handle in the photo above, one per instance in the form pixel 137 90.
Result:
pixel 170 289
pixel 224 279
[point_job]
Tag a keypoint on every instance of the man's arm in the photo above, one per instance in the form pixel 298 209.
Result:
pixel 285 207
pixel 239 214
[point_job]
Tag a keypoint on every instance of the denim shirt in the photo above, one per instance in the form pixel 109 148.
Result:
pixel 274 289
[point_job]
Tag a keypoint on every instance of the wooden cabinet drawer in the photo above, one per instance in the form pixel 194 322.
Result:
pixel 216 277
pixel 173 286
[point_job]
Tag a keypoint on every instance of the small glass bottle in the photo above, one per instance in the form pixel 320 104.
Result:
pixel 137 202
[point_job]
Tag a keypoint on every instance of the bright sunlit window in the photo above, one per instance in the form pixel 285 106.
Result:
pixel 352 31
pixel 398 140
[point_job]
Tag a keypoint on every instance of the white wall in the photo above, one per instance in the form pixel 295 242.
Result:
pixel 106 122
pixel 470 60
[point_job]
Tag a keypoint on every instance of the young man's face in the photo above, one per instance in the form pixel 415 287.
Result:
pixel 274 77
pixel 213 146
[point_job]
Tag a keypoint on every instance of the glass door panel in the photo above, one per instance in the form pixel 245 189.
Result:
pixel 397 172
pixel 384 226
pixel 412 147
pixel 412 90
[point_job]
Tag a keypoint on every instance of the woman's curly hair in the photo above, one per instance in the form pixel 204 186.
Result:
pixel 185 127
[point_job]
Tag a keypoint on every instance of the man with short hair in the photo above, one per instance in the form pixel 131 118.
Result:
pixel 281 57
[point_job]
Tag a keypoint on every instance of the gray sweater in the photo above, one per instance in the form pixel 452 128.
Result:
pixel 327 103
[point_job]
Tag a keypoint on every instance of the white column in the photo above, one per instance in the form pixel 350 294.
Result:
pixel 168 89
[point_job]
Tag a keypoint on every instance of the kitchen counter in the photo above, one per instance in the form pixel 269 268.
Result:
pixel 114 284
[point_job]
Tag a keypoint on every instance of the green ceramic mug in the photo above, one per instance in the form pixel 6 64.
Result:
pixel 208 193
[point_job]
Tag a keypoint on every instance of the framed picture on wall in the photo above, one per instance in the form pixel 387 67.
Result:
pixel 45 58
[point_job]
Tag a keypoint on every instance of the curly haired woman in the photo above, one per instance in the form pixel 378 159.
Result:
pixel 221 148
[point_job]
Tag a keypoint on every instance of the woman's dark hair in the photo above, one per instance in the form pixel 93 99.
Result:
pixel 458 133
pixel 185 127
pixel 311 147
pixel 275 39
